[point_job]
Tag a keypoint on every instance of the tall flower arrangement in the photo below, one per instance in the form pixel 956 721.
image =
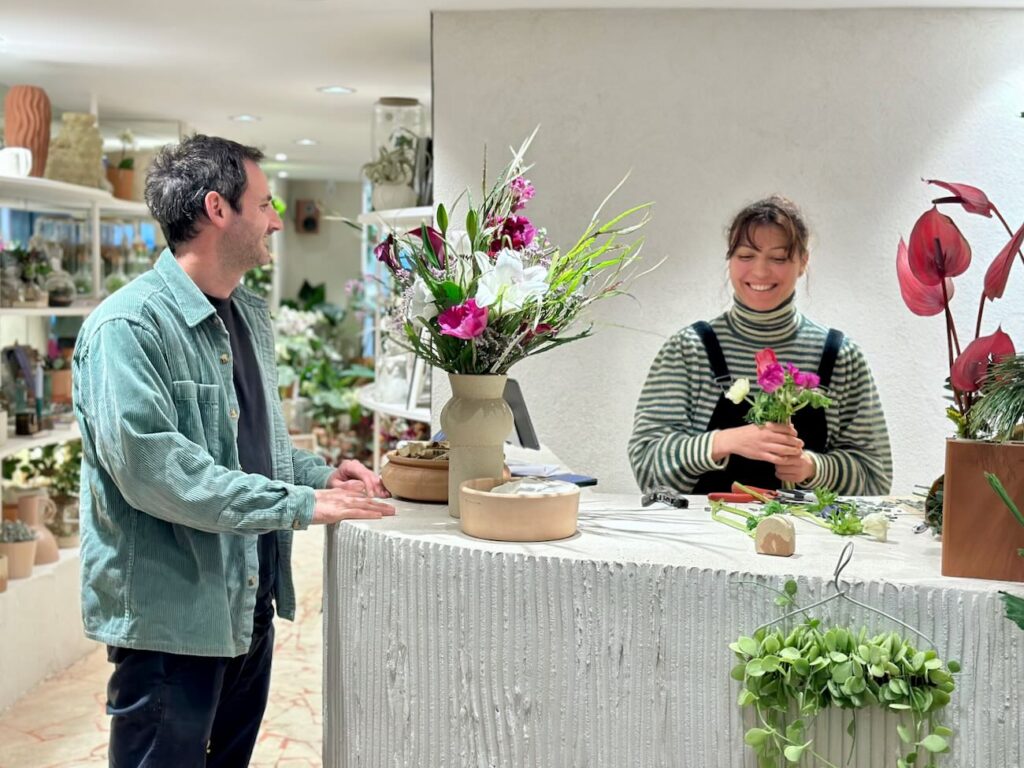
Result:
pixel 478 300
pixel 925 268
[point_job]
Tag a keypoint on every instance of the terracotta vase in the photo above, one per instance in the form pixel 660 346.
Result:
pixel 476 422
pixel 122 180
pixel 35 510
pixel 27 123
pixel 980 537
pixel 21 556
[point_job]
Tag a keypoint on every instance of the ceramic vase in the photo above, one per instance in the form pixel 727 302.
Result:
pixel 476 422
pixel 35 510
pixel 27 123
pixel 20 557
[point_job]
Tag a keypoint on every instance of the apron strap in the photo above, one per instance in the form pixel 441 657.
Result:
pixel 716 357
pixel 833 342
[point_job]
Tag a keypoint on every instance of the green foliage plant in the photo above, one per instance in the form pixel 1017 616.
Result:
pixel 1014 604
pixel 15 532
pixel 790 674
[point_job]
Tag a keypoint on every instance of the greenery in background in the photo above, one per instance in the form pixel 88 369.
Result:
pixel 259 280
pixel 789 675
pixel 126 162
pixel 57 467
pixel 396 164
pixel 999 412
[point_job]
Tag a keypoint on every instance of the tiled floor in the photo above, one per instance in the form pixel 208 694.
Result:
pixel 61 723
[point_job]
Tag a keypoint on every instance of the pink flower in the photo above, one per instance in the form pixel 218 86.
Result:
pixel 921 299
pixel 806 380
pixel 542 329
pixel 516 233
pixel 465 321
pixel 434 238
pixel 971 367
pixel 522 191
pixel 937 250
pixel 971 198
pixel 771 378
pixel 385 253
pixel 764 358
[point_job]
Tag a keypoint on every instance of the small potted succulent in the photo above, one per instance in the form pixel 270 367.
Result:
pixel 391 174
pixel 18 544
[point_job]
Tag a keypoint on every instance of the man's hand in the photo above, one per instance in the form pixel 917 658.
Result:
pixel 798 469
pixel 350 471
pixel 334 504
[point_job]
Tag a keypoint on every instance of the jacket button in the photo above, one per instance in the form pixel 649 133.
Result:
pixel 252 581
pixel 225 359
pixel 234 414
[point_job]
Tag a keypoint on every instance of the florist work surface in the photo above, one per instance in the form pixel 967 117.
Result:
pixel 612 648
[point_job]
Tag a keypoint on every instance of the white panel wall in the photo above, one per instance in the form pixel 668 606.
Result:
pixel 843 111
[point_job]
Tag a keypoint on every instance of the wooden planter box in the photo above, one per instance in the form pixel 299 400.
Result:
pixel 980 537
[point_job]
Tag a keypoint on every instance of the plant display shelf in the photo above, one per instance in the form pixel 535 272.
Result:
pixel 48 437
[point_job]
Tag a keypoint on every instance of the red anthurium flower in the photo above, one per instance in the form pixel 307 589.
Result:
pixel 937 249
pixel 435 239
pixel 971 198
pixel 970 368
pixel 999 270
pixel 765 358
pixel 924 300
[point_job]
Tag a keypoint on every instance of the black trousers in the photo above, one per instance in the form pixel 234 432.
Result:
pixel 174 711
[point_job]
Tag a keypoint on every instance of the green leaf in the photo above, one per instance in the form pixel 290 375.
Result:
pixel 795 730
pixel 795 752
pixel 789 654
pixel 790 588
pixel 754 668
pixel 941 730
pixel 748 645
pixel 954 666
pixel 755 736
pixel 1014 611
pixel 905 736
pixel 934 743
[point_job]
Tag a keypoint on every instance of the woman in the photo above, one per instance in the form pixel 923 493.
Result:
pixel 688 436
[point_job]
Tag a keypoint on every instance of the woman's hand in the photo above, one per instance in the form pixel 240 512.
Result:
pixel 776 443
pixel 799 469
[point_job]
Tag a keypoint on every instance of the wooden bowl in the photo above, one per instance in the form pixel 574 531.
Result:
pixel 416 479
pixel 516 517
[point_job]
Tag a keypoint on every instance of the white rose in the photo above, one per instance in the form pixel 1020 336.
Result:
pixel 876 524
pixel 739 390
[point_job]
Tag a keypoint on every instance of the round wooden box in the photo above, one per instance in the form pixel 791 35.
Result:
pixel 516 517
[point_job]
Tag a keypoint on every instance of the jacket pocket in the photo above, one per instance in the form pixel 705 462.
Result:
pixel 198 407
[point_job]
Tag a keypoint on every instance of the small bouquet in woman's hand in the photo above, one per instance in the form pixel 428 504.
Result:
pixel 785 389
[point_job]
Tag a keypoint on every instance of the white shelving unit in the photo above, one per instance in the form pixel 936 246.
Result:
pixel 40 439
pixel 398 219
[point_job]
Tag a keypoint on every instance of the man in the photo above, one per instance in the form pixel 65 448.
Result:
pixel 190 486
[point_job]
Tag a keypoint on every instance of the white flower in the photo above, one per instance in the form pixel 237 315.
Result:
pixel 739 390
pixel 507 285
pixel 876 524
pixel 421 303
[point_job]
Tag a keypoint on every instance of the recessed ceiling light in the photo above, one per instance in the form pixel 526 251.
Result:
pixel 305 142
pixel 280 157
pixel 336 89
pixel 245 118
pixel 282 174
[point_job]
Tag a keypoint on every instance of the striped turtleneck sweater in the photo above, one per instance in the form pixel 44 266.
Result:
pixel 671 444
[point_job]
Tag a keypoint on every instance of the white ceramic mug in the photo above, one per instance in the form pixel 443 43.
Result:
pixel 15 161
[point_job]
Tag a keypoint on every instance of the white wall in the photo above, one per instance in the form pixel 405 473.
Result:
pixel 843 111
pixel 330 257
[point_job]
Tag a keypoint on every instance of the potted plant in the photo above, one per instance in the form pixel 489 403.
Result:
pixel 391 174
pixel 122 175
pixel 18 543
pixel 975 531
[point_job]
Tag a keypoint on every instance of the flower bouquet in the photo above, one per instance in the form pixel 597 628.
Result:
pixel 476 301
pixel 785 389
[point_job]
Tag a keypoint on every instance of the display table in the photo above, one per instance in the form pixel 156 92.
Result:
pixel 40 626
pixel 611 648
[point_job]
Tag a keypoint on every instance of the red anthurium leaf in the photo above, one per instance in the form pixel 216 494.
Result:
pixel 970 368
pixel 937 249
pixel 999 270
pixel 971 198
pixel 921 299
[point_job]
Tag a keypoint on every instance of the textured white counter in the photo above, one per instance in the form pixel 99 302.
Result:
pixel 611 648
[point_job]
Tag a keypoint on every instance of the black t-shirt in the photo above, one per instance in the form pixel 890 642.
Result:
pixel 253 435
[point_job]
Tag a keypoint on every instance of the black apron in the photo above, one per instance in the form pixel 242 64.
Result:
pixel 809 422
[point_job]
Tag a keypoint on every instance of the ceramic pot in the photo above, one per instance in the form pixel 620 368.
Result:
pixel 415 479
pixel 386 197
pixel 980 536
pixel 27 123
pixel 21 556
pixel 122 179
pixel 516 517
pixel 476 422
pixel 35 510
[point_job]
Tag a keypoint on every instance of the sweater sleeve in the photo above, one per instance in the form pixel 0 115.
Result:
pixel 667 447
pixel 858 460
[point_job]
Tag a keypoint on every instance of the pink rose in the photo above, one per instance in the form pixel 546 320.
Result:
pixel 465 321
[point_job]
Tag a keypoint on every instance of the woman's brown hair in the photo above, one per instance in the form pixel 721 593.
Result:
pixel 775 210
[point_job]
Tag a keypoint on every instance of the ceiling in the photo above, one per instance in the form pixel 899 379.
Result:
pixel 155 65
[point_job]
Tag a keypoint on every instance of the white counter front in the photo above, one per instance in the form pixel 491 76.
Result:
pixel 611 648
